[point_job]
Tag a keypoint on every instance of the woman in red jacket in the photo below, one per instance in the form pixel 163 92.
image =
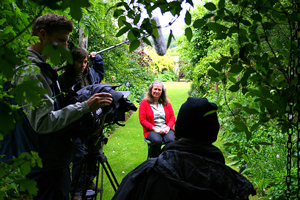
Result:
pixel 157 117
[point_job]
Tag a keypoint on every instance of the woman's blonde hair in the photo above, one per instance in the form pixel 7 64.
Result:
pixel 163 99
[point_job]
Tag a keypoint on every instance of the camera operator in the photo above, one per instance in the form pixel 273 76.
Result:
pixel 43 128
pixel 80 73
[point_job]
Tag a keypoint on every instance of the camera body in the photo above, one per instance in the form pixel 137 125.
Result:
pixel 90 128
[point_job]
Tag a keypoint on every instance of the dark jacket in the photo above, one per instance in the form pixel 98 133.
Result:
pixel 69 84
pixel 95 74
pixel 185 170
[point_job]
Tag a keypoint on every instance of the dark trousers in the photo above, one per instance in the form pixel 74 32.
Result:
pixel 53 184
pixel 77 175
pixel 156 142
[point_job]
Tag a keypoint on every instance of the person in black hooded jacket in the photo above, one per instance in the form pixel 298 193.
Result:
pixel 80 74
pixel 190 167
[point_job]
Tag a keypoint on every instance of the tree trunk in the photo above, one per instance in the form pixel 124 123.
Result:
pixel 83 39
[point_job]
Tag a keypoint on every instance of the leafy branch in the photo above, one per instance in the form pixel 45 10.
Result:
pixel 26 28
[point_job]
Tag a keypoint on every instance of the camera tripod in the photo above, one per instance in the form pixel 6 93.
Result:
pixel 94 159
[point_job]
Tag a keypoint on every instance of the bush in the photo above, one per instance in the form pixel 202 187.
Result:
pixel 260 146
pixel 13 183
pixel 278 185
pixel 167 76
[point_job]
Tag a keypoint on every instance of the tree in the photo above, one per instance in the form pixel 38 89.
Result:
pixel 160 64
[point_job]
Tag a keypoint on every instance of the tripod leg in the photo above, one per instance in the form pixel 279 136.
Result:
pixel 112 173
pixel 97 166
pixel 91 166
pixel 84 186
pixel 76 179
pixel 101 191
pixel 108 175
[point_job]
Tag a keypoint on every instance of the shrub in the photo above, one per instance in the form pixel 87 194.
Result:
pixel 278 185
pixel 167 76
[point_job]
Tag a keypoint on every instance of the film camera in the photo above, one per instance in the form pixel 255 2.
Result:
pixel 90 127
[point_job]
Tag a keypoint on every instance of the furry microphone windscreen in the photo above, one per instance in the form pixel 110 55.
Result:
pixel 159 43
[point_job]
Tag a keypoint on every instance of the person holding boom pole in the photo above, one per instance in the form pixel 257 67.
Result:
pixel 80 73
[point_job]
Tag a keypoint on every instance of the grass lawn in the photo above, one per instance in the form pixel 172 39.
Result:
pixel 126 148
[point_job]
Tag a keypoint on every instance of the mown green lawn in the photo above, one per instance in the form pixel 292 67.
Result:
pixel 126 148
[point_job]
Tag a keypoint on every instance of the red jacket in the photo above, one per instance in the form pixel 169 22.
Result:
pixel 146 116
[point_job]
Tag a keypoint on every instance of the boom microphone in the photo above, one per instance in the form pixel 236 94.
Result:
pixel 159 43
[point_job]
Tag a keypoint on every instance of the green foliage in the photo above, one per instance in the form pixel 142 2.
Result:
pixel 253 64
pixel 193 50
pixel 137 27
pixel 12 176
pixel 278 185
pixel 160 64
pixel 167 76
pixel 57 52
pixel 137 84
pixel 250 72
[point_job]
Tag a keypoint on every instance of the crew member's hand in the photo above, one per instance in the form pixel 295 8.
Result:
pixel 93 54
pixel 99 100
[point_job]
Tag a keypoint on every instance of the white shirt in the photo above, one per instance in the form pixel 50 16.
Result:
pixel 159 115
